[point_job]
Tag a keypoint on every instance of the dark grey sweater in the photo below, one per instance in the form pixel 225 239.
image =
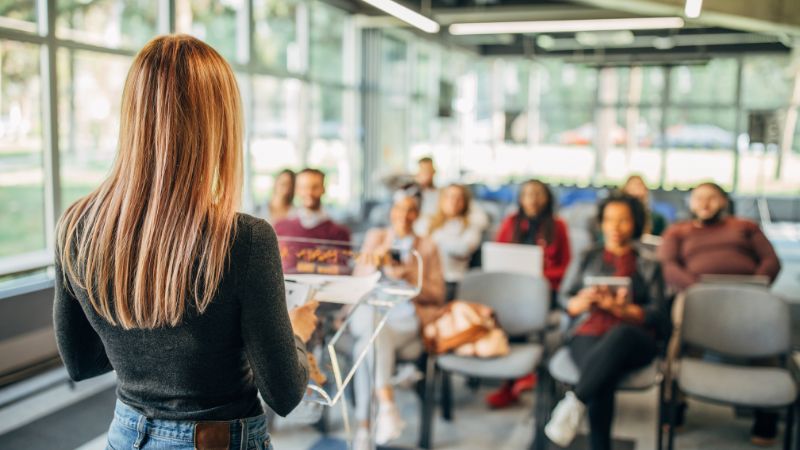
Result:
pixel 208 367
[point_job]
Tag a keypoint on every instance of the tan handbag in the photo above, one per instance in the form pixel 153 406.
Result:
pixel 469 329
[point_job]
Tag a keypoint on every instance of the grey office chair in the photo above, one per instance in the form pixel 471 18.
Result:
pixel 737 323
pixel 521 304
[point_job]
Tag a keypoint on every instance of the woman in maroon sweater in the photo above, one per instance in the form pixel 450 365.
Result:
pixel 534 223
pixel 713 242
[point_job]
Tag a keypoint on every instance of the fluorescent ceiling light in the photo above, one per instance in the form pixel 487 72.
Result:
pixel 406 15
pixel 567 26
pixel 693 8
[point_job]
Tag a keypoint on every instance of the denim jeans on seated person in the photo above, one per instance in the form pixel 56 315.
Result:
pixel 130 430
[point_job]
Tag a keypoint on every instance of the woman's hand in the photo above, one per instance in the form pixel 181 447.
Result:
pixel 304 320
pixel 582 302
pixel 375 258
pixel 617 304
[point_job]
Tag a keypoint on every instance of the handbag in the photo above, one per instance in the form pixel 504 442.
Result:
pixel 468 329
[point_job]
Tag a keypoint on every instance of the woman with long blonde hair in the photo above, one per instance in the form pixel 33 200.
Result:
pixel 457 231
pixel 159 278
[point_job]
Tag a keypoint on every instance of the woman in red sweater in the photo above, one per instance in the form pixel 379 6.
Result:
pixel 534 223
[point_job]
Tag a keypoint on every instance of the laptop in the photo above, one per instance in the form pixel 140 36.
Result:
pixel 514 258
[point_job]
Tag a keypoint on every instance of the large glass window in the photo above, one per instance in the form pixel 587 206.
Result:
pixel 108 23
pixel 89 98
pixel 20 15
pixel 327 42
pixel 275 134
pixel 331 150
pixel 767 88
pixel 565 136
pixel 21 174
pixel 629 124
pixel 714 82
pixel 277 25
pixel 697 140
pixel 220 23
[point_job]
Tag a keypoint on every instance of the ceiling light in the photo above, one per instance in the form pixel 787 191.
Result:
pixel 545 41
pixel 693 8
pixel 409 16
pixel 567 26
pixel 605 38
pixel 663 43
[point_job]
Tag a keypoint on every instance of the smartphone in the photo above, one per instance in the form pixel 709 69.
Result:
pixel 395 255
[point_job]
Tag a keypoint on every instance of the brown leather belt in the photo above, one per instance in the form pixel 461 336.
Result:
pixel 212 436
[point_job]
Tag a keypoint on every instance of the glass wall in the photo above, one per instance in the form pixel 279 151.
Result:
pixel 22 229
pixel 675 125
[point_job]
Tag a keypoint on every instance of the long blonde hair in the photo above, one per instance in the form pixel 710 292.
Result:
pixel 158 230
pixel 439 218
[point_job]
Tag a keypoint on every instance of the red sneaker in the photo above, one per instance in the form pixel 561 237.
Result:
pixel 502 397
pixel 526 383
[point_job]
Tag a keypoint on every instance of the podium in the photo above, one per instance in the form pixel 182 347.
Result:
pixel 344 281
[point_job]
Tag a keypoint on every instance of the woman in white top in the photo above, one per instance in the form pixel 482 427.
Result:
pixel 457 233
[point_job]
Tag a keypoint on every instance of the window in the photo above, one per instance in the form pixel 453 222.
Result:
pixel 20 15
pixel 328 28
pixel 394 65
pixel 332 149
pixel 275 134
pixel 89 98
pixel 629 124
pixel 220 23
pixel 712 83
pixel 276 34
pixel 767 86
pixel 21 175
pixel 565 135
pixel 108 23
pixel 698 139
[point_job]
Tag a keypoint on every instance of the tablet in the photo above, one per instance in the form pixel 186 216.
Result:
pixel 514 258
pixel 612 283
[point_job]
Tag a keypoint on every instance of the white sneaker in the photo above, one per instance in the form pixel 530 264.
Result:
pixel 389 425
pixel 567 415
pixel 407 375
pixel 361 439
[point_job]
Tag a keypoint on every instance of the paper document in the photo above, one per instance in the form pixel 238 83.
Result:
pixel 336 288
pixel 297 294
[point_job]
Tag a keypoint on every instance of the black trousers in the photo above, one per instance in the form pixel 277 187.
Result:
pixel 603 361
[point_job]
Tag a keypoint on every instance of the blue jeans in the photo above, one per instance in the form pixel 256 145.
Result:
pixel 131 430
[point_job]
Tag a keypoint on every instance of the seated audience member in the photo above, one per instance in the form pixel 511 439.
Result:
pixel 390 249
pixel 534 223
pixel 310 221
pixel 456 232
pixel 620 332
pixel 635 187
pixel 428 191
pixel 714 242
pixel 279 206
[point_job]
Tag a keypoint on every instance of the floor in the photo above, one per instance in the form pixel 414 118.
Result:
pixel 76 418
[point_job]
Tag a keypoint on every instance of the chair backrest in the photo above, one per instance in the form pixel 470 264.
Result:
pixel 736 320
pixel 521 302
